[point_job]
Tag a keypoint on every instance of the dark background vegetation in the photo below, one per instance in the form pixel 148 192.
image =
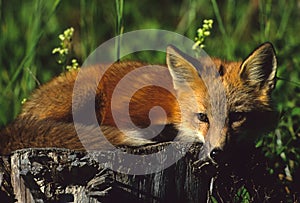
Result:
pixel 30 29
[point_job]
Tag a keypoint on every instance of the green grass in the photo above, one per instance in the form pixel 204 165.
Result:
pixel 21 32
pixel 29 31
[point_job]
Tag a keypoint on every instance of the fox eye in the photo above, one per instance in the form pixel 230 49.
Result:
pixel 202 117
pixel 236 116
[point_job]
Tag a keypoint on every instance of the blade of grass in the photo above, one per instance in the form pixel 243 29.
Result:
pixel 36 36
pixel 265 8
pixel 244 21
pixel 188 12
pixel 219 19
pixel 89 14
pixel 288 7
pixel 119 26
pixel 229 43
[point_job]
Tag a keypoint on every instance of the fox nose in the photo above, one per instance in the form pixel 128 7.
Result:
pixel 215 155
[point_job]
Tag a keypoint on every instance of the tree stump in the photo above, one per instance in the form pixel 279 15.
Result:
pixel 61 175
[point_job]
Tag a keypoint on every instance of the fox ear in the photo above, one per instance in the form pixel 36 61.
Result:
pixel 181 67
pixel 259 69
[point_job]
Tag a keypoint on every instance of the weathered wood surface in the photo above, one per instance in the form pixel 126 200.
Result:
pixel 59 175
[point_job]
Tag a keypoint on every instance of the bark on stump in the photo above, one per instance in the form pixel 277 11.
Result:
pixel 60 175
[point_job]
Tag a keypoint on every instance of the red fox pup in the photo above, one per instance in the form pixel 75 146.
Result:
pixel 47 117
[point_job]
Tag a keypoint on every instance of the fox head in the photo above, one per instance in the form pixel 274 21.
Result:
pixel 223 103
